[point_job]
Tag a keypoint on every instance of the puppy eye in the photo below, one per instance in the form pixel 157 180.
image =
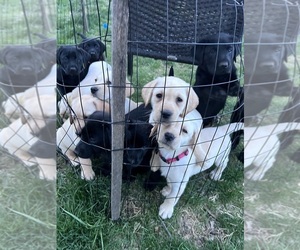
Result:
pixel 159 96
pixel 179 99
pixel 229 49
pixel 108 82
pixel 184 131
pixel 96 79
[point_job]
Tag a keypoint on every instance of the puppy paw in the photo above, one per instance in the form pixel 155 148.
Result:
pixel 88 175
pixel 254 175
pixel 166 191
pixel 47 175
pixel 215 175
pixel 166 210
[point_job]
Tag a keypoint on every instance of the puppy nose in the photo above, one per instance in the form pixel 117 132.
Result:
pixel 223 65
pixel 169 137
pixel 94 90
pixel 166 114
pixel 73 69
pixel 26 69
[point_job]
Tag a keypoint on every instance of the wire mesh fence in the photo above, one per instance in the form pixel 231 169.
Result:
pixel 190 66
pixel 28 124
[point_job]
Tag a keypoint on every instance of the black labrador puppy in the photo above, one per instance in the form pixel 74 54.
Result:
pixel 94 46
pixel 73 65
pixel 266 74
pixel 96 142
pixel 23 66
pixel 45 147
pixel 216 76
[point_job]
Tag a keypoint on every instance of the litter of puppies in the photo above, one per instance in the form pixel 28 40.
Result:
pixel 173 133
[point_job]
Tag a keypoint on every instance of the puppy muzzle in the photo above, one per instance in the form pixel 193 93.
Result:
pixel 166 115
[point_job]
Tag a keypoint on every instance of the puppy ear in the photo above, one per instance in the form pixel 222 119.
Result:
pixel 102 47
pixel 193 100
pixel 58 54
pixel 153 130
pixel 198 53
pixel 82 36
pixel 147 91
pixel 3 54
pixel 129 90
pixel 86 55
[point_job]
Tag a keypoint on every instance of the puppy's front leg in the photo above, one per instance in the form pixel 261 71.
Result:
pixel 47 168
pixel 167 207
pixel 87 172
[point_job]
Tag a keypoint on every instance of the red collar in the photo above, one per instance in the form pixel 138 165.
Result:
pixel 177 158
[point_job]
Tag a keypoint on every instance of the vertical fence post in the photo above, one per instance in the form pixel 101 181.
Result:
pixel 119 58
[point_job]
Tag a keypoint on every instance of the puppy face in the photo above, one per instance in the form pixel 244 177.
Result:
pixel 178 134
pixel 94 47
pixel 170 97
pixel 72 60
pixel 95 136
pixel 24 60
pixel 217 58
pixel 264 53
pixel 83 107
pixel 137 142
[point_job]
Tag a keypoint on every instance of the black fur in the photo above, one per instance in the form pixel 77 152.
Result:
pixel 73 65
pixel 216 76
pixel 96 142
pixel 23 66
pixel 45 147
pixel 265 72
pixel 238 116
pixel 94 47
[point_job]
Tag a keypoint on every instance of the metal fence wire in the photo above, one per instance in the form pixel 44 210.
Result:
pixel 188 65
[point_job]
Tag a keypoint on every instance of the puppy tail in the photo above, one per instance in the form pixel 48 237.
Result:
pixel 233 127
pixel 283 127
pixel 82 36
pixel 171 71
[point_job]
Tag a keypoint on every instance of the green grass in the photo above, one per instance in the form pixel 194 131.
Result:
pixel 208 214
pixel 27 208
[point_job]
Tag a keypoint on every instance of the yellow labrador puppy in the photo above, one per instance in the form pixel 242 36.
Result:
pixel 185 150
pixel 66 136
pixel 36 110
pixel 261 147
pixel 170 98
pixel 13 105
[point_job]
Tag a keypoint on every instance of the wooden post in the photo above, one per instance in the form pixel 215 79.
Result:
pixel 119 61
pixel 85 21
